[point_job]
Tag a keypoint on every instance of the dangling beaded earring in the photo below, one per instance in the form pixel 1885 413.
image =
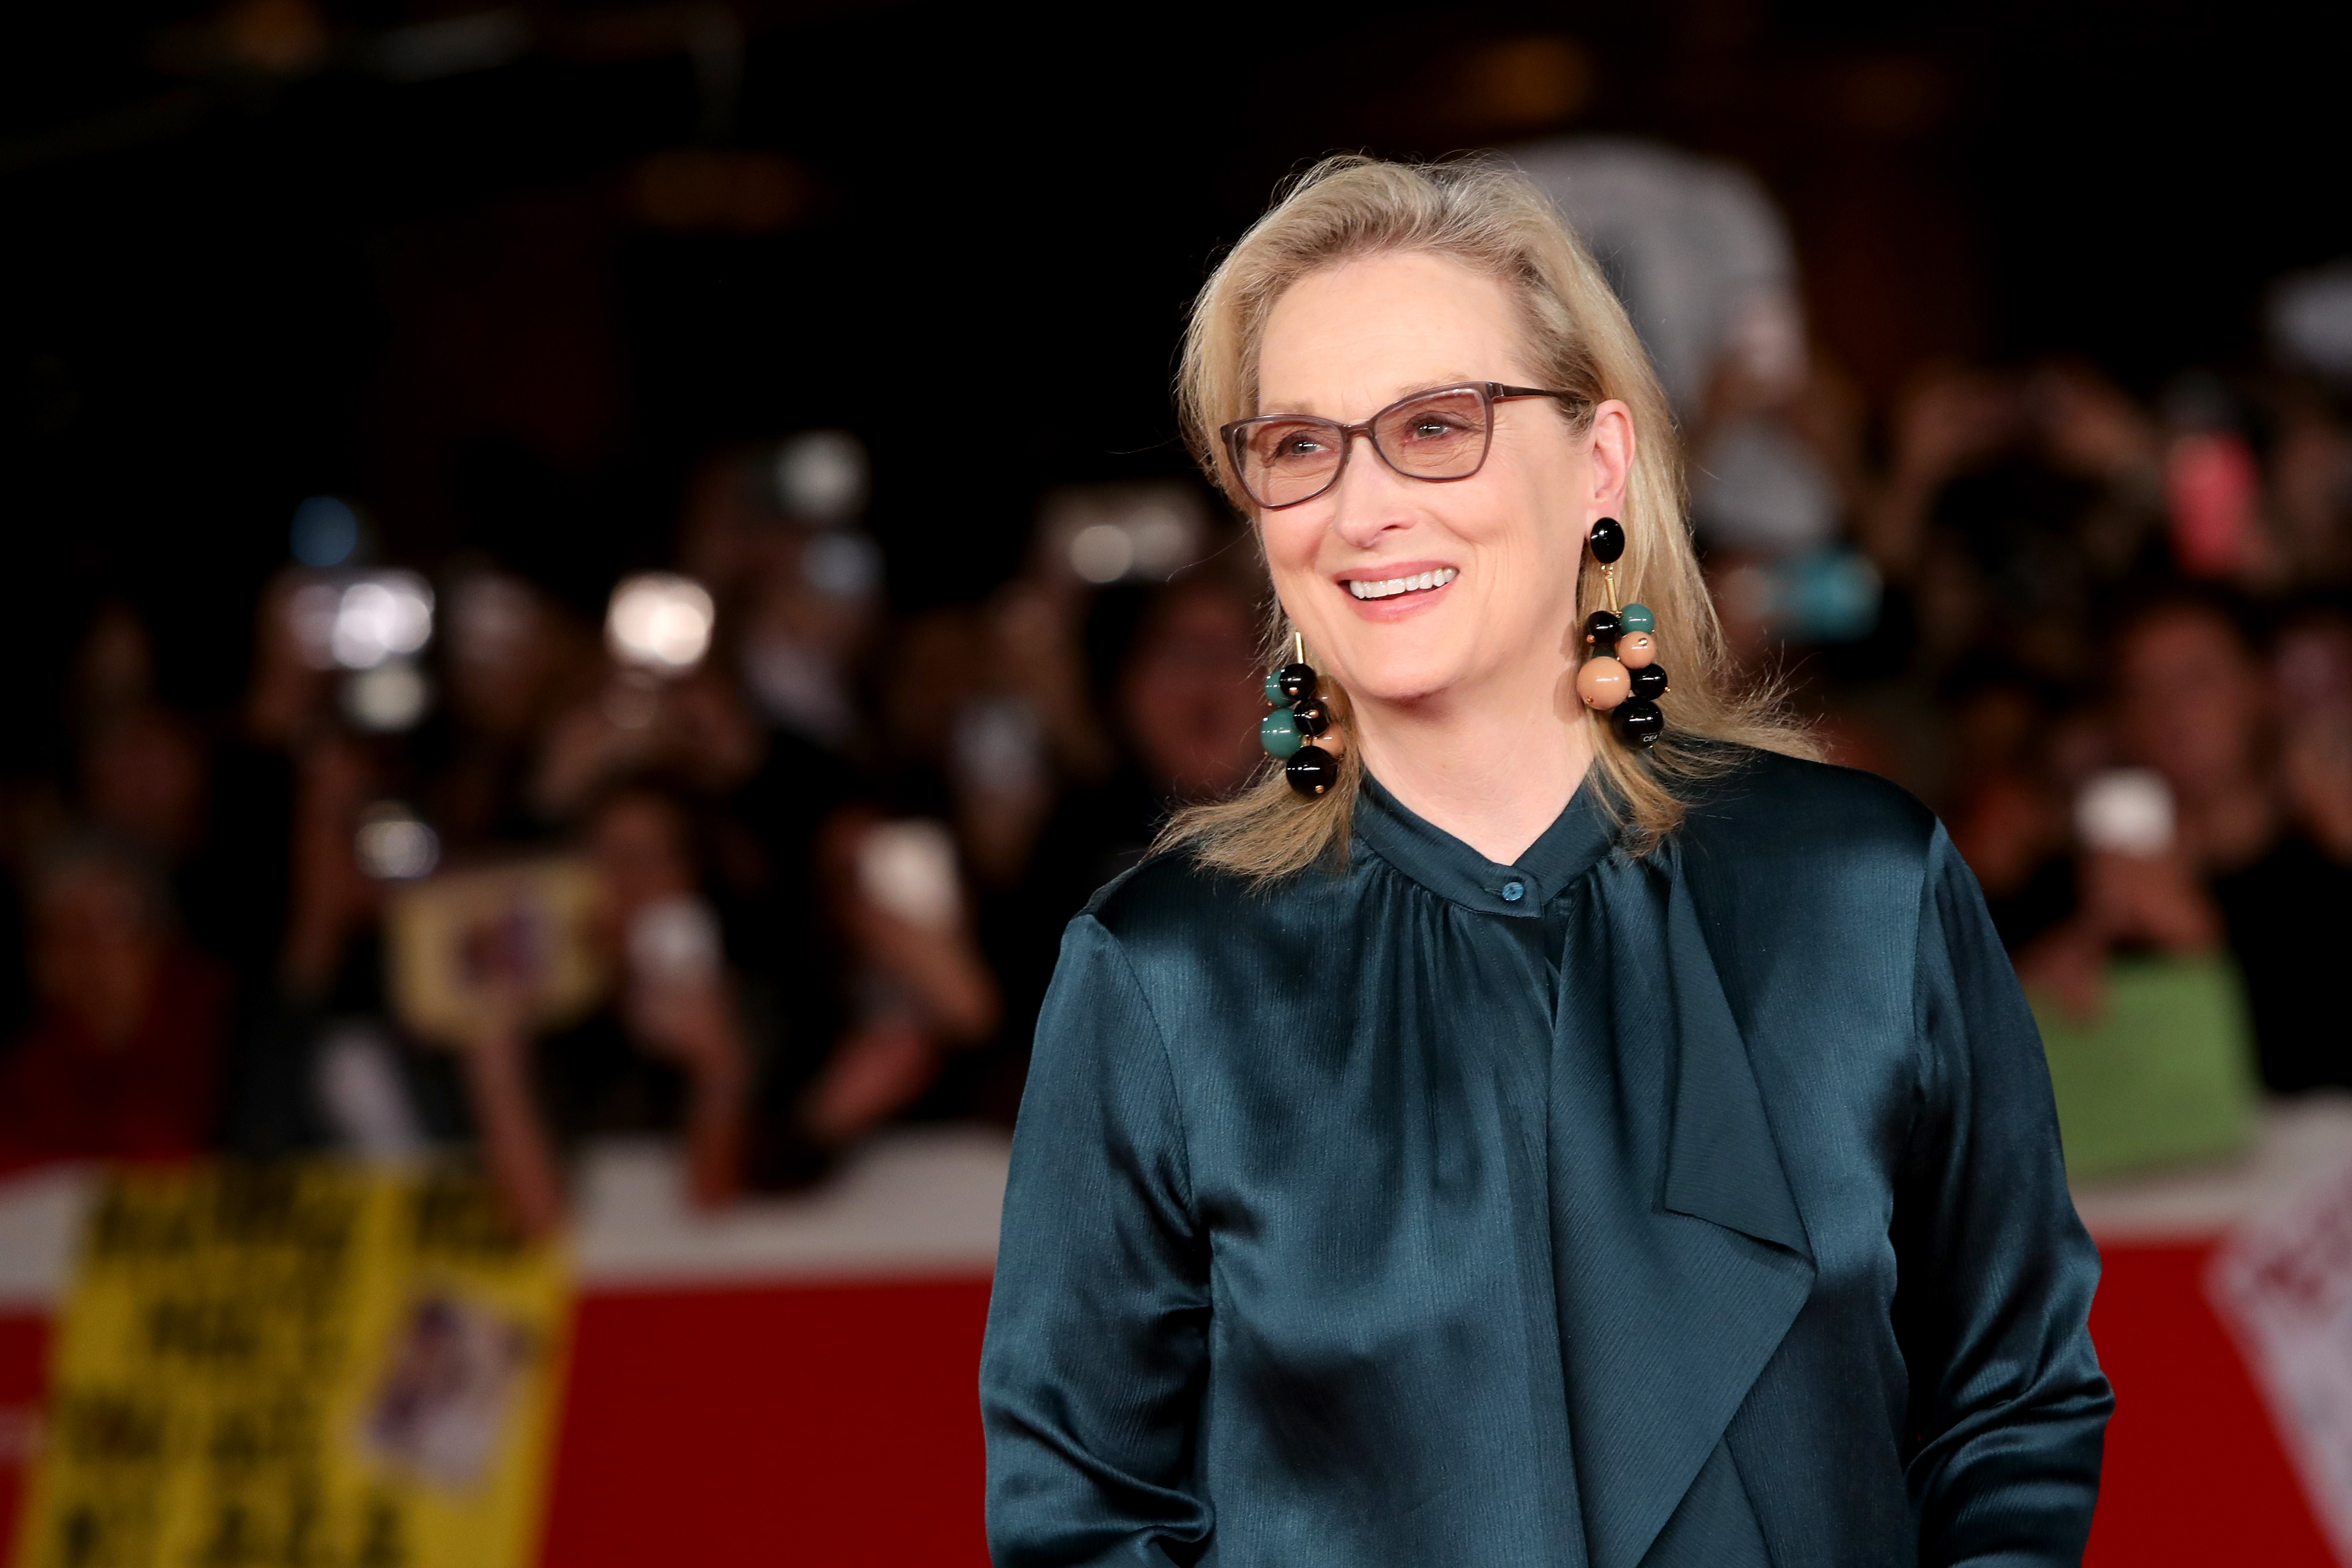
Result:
pixel 1621 676
pixel 1298 719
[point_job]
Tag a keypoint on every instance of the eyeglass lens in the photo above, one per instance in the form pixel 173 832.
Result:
pixel 1437 435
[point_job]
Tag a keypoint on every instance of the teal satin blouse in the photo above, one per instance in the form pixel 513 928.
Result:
pixel 1703 1209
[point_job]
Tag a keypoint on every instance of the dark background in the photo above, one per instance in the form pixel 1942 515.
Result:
pixel 245 261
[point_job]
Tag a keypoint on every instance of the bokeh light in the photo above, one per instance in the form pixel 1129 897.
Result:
pixel 660 622
pixel 1102 553
pixel 385 615
pixel 822 476
pixel 387 698
pixel 325 532
pixel 393 845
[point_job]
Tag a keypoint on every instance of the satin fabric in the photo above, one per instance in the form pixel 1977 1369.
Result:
pixel 1704 1207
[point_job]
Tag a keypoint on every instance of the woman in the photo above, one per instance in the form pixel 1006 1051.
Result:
pixel 1535 1148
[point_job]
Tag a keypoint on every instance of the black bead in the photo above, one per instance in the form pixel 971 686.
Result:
pixel 1639 721
pixel 1608 541
pixel 1649 681
pixel 1311 770
pixel 1602 627
pixel 1311 716
pixel 1295 681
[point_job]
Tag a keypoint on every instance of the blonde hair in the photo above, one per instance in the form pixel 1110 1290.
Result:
pixel 1578 341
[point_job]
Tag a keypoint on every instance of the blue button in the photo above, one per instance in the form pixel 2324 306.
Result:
pixel 1514 891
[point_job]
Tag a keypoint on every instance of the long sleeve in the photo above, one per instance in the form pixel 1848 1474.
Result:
pixel 2008 1407
pixel 1097 1330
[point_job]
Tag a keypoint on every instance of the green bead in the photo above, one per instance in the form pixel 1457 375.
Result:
pixel 1274 689
pixel 1278 734
pixel 1637 618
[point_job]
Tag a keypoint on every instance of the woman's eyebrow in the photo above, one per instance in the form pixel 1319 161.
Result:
pixel 1399 391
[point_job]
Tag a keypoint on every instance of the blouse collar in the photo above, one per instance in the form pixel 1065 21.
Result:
pixel 1571 846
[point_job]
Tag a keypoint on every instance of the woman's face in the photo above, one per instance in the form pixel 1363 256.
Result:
pixel 1345 342
pixel 2191 701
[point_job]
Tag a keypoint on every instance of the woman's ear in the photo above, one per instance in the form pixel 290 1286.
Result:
pixel 1613 456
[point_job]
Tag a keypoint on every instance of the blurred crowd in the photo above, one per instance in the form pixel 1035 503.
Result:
pixel 2126 673
pixel 742 859
pixel 741 862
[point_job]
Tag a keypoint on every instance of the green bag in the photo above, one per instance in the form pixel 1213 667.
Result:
pixel 2164 1075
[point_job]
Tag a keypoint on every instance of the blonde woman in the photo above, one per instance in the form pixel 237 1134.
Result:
pixel 1536 1147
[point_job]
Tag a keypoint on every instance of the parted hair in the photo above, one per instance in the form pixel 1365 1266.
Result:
pixel 1491 218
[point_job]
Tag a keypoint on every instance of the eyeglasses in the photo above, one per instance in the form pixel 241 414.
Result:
pixel 1439 435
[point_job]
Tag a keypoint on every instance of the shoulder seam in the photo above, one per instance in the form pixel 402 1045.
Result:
pixel 1159 1032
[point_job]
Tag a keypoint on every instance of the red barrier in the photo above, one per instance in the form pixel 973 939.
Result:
pixel 24 1374
pixel 838 1424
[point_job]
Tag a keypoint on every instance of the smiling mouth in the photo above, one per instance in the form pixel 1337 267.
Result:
pixel 1393 586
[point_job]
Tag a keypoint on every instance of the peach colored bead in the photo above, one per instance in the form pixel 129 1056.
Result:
pixel 1333 740
pixel 1635 649
pixel 1603 683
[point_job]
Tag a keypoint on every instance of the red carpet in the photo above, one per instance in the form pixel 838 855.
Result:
pixel 2195 1473
pixel 835 1426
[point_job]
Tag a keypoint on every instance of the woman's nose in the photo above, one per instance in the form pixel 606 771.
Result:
pixel 1369 499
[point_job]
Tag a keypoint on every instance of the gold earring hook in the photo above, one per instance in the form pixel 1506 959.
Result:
pixel 1298 647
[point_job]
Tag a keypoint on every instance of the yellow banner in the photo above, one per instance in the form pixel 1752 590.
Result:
pixel 303 1365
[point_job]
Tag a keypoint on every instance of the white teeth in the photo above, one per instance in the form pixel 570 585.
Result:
pixel 1389 589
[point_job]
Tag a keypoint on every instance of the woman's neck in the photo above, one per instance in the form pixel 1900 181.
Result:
pixel 1494 773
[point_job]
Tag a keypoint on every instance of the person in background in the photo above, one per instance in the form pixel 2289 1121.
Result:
pixel 1703 259
pixel 771 532
pixel 674 1049
pixel 2285 891
pixel 2012 505
pixel 876 993
pixel 2188 704
pixel 1185 695
pixel 147 773
pixel 2312 661
pixel 922 995
pixel 2008 815
pixel 322 1064
pixel 246 865
pixel 123 1057
pixel 510 655
pixel 2254 865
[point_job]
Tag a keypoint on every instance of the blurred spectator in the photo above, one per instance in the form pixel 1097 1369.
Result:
pixel 922 989
pixel 123 1057
pixel 510 654
pixel 246 867
pixel 1182 694
pixel 676 1050
pixel 843 911
pixel 771 532
pixel 2010 817
pixel 2289 906
pixel 2312 664
pixel 2011 505
pixel 2248 857
pixel 2311 490
pixel 1703 260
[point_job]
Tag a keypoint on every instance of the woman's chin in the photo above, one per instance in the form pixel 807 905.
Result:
pixel 1394 682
